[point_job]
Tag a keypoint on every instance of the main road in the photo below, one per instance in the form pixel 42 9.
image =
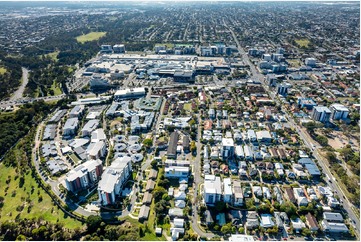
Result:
pixel 306 138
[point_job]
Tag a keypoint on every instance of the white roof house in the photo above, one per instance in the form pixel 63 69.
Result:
pixel 266 221
pixel 227 190
pixel 98 135
pixel 212 189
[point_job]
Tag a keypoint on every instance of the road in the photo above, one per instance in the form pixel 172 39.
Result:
pixel 25 100
pixel 198 180
pixel 307 139
pixel 25 79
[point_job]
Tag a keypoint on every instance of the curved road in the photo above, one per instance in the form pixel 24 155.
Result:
pixel 25 79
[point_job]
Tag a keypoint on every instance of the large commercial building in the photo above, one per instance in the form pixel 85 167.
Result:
pixel 70 127
pixel 129 93
pixel 84 175
pixel 113 180
pixel 212 189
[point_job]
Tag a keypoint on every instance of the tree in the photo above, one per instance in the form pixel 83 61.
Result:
pixel 289 208
pixel 154 164
pixel 93 222
pixel 193 147
pixel 322 140
pixel 226 229
pixel 158 193
pixel 220 206
pixel 148 143
pixel 306 232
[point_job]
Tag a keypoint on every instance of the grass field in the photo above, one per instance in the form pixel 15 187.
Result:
pixel 168 45
pixel 53 55
pixel 19 196
pixel 148 236
pixel 294 62
pixel 90 37
pixel 56 88
pixel 2 70
pixel 188 107
pixel 302 42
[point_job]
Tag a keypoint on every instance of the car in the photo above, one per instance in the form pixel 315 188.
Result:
pixel 308 238
pixel 292 237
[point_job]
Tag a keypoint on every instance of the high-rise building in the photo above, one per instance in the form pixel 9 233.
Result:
pixel 338 111
pixel 321 113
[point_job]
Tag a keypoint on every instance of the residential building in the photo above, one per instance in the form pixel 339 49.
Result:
pixel 172 146
pixel 176 172
pixel 338 111
pixel 282 89
pixel 77 111
pixel 84 175
pixel 332 227
pixel 227 190
pixel 96 150
pixel 89 127
pixel 237 193
pixel 227 148
pixel 307 103
pixel 321 114
pixel 212 189
pixel 70 127
pixel 310 62
pixel 311 222
pixel 113 179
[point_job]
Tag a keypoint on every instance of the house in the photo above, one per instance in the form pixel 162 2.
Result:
pixel 237 193
pixel 332 217
pixel 180 196
pixel 176 172
pixel 241 238
pixel 172 146
pixel 113 179
pixel 153 174
pixel 227 148
pixel 227 190
pixel 185 143
pixel 297 224
pixel 175 212
pixel 311 222
pixel 143 213
pixel 285 218
pixel 252 220
pixel 150 185
pixel 267 221
pixel 147 198
pixel 180 204
pixel 248 153
pixel 300 196
pixel 332 227
pixel 266 193
pixel 212 189
pixel 264 136
pixel 290 194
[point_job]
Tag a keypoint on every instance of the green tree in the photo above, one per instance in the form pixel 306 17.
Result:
pixel 93 222
pixel 148 143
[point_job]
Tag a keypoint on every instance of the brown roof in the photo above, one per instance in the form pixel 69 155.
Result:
pixel 311 221
pixel 150 185
pixel 290 194
pixel 147 198
pixel 153 174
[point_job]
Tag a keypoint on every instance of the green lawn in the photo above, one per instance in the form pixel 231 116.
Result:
pixel 53 55
pixel 90 36
pixel 294 62
pixel 302 42
pixel 56 88
pixel 2 70
pixel 168 45
pixel 18 197
pixel 187 106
